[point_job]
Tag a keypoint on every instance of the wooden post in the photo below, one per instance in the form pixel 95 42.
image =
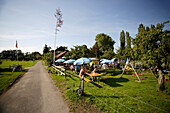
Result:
pixel 135 73
pixel 82 84
pixel 123 70
pixel 133 70
pixel 65 73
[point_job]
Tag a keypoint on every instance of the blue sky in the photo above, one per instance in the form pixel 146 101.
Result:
pixel 32 22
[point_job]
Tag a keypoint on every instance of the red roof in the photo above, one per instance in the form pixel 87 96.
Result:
pixel 61 54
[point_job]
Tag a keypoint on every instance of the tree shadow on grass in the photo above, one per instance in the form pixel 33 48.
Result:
pixel 96 84
pixel 71 77
pixel 10 70
pixel 112 73
pixel 5 70
pixel 114 82
pixel 116 73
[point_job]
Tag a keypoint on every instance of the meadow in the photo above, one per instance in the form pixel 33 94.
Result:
pixel 115 94
pixel 7 77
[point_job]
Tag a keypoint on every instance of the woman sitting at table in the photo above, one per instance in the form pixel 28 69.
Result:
pixel 95 71
pixel 92 67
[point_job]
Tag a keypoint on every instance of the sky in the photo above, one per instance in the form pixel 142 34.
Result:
pixel 32 22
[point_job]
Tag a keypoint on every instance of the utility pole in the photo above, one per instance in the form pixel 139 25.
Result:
pixel 59 22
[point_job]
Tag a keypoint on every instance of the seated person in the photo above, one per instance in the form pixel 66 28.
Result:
pixel 95 71
pixel 92 67
pixel 76 69
pixel 71 68
pixel 82 71
pixel 104 66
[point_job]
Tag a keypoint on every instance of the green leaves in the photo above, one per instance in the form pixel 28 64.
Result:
pixel 152 44
pixel 104 46
pixel 78 52
pixel 105 42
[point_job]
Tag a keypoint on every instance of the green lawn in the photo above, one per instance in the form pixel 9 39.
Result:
pixel 6 75
pixel 117 94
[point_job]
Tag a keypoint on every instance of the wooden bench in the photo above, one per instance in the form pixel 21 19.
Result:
pixel 103 78
pixel 87 80
pixel 59 67
pixel 62 73
pixel 94 75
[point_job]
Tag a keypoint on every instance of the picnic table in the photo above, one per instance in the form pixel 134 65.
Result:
pixel 94 75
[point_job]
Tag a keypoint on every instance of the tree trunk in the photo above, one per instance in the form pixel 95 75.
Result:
pixel 161 81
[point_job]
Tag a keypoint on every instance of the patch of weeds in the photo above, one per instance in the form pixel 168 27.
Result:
pixel 73 96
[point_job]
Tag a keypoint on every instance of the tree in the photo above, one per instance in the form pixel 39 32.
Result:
pixel 105 42
pixel 104 46
pixel 121 51
pixel 122 41
pixel 36 55
pixel 128 50
pixel 136 50
pixel 108 55
pixel 128 40
pixel 48 57
pixel 78 52
pixel 12 54
pixel 46 49
pixel 30 56
pixel 152 45
pixel 96 50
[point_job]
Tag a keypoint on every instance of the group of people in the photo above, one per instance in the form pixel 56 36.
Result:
pixel 76 68
pixel 93 69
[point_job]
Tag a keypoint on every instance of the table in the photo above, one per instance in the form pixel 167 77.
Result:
pixel 94 75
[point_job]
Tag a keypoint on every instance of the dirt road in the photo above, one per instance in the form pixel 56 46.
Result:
pixel 34 93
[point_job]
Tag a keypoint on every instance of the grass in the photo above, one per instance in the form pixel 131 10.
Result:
pixel 7 77
pixel 116 94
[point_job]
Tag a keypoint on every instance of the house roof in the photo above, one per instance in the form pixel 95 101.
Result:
pixel 61 54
